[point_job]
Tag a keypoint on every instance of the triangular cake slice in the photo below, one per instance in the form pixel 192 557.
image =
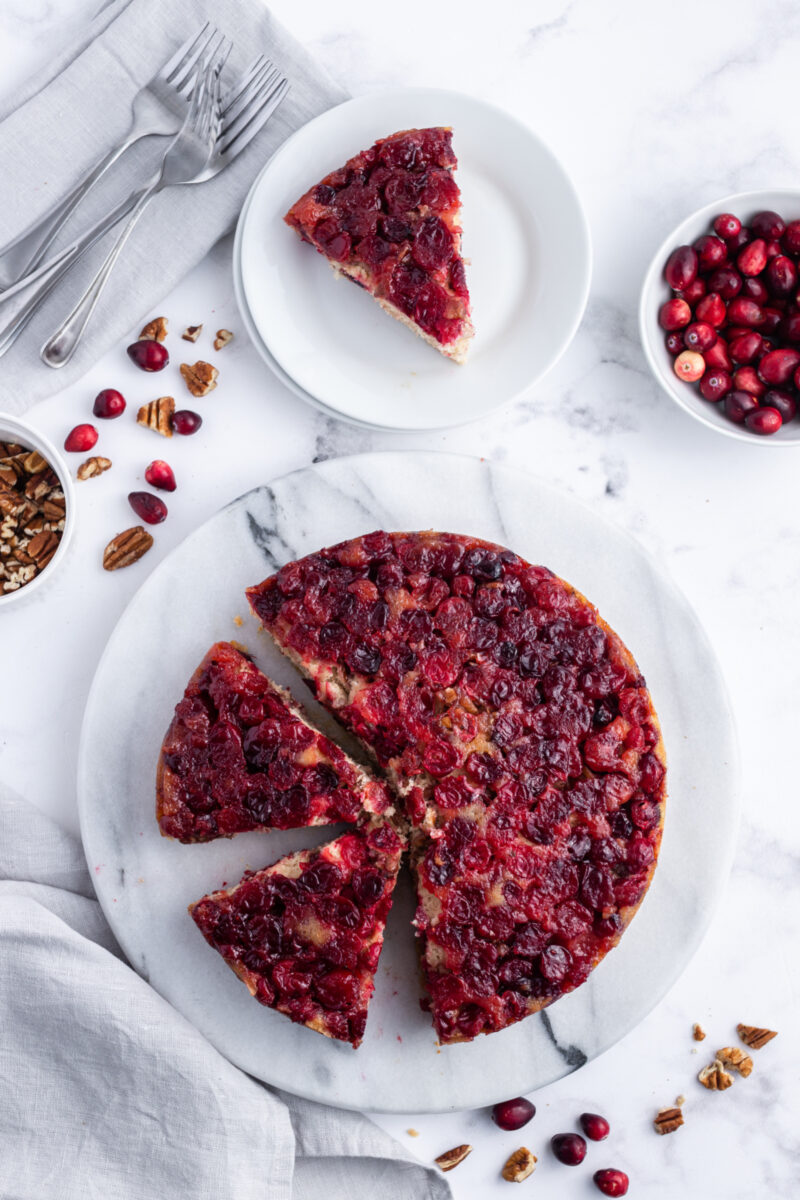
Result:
pixel 239 755
pixel 306 933
pixel 389 219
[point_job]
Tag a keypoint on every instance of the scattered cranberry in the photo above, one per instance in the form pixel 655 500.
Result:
pixel 689 366
pixel 715 384
pixel 109 403
pixel 681 268
pixel 783 401
pixel 185 422
pixel 737 405
pixel 594 1126
pixel 513 1114
pixel 699 336
pixel 727 226
pixel 611 1182
pixel 569 1148
pixel 767 225
pixel 149 355
pixel 81 439
pixel 763 421
pixel 147 506
pixel 674 314
pixel 160 475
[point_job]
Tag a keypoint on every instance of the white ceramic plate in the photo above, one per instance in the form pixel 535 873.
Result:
pixel 145 882
pixel 655 291
pixel 524 231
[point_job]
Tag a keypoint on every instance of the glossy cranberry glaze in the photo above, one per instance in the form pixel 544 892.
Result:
pixel 522 737
pixel 611 1182
pixel 391 216
pixel 513 1114
pixel 236 758
pixel 594 1126
pixel 306 933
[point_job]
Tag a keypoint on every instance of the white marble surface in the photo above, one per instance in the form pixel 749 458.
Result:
pixel 654 112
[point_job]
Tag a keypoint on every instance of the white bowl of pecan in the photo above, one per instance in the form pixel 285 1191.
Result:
pixel 37 507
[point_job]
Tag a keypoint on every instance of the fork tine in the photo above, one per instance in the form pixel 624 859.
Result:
pixel 211 123
pixel 242 109
pixel 231 146
pixel 169 68
pixel 184 83
pixel 233 92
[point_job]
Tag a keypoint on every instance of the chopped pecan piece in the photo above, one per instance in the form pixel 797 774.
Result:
pixel 55 506
pixel 157 415
pixel 201 378
pixel 715 1077
pixel 191 333
pixel 698 1033
pixel 519 1165
pixel 93 466
pixel 11 469
pixel 451 1158
pixel 33 463
pixel 126 548
pixel 733 1057
pixel 754 1037
pixel 667 1120
pixel 155 330
pixel 42 547
pixel 223 337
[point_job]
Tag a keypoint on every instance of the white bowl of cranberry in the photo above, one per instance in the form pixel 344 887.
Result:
pixel 720 316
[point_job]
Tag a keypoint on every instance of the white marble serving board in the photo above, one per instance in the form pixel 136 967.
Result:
pixel 145 882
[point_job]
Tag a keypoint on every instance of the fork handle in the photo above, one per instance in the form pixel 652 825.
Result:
pixel 59 349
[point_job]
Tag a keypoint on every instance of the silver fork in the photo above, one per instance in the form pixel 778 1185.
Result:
pixel 157 112
pixel 223 142
pixel 249 106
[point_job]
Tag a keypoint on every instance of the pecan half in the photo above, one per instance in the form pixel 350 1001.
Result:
pixel 715 1077
pixel 519 1165
pixel 698 1033
pixel 191 333
pixel 451 1158
pixel 155 330
pixel 735 1058
pixel 201 378
pixel 157 415
pixel 126 548
pixel 667 1120
pixel 93 466
pixel 223 337
pixel 42 547
pixel 754 1037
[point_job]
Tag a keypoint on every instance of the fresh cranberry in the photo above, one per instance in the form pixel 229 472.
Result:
pixel 513 1114
pixel 763 421
pixel 771 320
pixel 745 347
pixel 737 405
pixel 711 309
pixel 790 327
pixel 743 311
pixel 694 291
pixel 726 282
pixel 747 379
pixel 611 1182
pixel 768 225
pixel 781 275
pixel 717 356
pixel 689 366
pixel 755 289
pixel 791 238
pixel 674 343
pixel 186 422
pixel 727 226
pixel 740 239
pixel 109 403
pixel 752 259
pixel 681 268
pixel 699 336
pixel 778 366
pixel 147 506
pixel 149 355
pixel 569 1148
pixel 674 314
pixel 715 384
pixel 594 1126
pixel 160 475
pixel 711 251
pixel 81 439
pixel 785 403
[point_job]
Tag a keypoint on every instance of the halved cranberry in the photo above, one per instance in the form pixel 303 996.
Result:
pixel 715 384
pixel 768 225
pixel 674 314
pixel 726 282
pixel 80 439
pixel 752 259
pixel 611 1182
pixel 149 355
pixel 594 1126
pixel 108 404
pixel 727 226
pixel 681 267
pixel 763 421
pixel 186 422
pixel 711 310
pixel 711 251
pixel 738 404
pixel 159 474
pixel 699 336
pixel 147 506
pixel 779 366
pixel 513 1114
pixel 569 1148
pixel 783 401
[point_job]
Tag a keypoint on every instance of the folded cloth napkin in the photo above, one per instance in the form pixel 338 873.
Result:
pixel 82 110
pixel 106 1091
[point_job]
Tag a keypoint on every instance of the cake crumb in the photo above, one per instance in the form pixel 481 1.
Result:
pixel 680 1101
pixel 238 621
pixel 412 1132
pixel 698 1033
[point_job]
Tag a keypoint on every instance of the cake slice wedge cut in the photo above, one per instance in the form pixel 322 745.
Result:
pixel 390 220
pixel 305 934
pixel 239 755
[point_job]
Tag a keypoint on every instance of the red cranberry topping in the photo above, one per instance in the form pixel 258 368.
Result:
pixel 333 240
pixel 433 244
pixel 594 1126
pixel 80 439
pixel 149 355
pixel 186 422
pixel 148 507
pixel 159 474
pixel 611 1182
pixel 763 421
pixel 569 1148
pixel 108 403
pixel 513 1114
pixel 681 268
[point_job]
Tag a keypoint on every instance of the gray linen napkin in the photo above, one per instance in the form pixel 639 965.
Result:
pixel 82 110
pixel 106 1091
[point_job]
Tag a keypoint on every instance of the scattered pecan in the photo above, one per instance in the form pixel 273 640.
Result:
pixel 715 1077
pixel 191 333
pixel 93 466
pixel 201 378
pixel 519 1165
pixel 698 1033
pixel 667 1120
pixel 735 1058
pixel 223 337
pixel 157 415
pixel 451 1158
pixel 754 1037
pixel 126 548
pixel 155 330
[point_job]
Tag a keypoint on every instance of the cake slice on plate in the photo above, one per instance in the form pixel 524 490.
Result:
pixel 239 755
pixel 389 219
pixel 305 934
